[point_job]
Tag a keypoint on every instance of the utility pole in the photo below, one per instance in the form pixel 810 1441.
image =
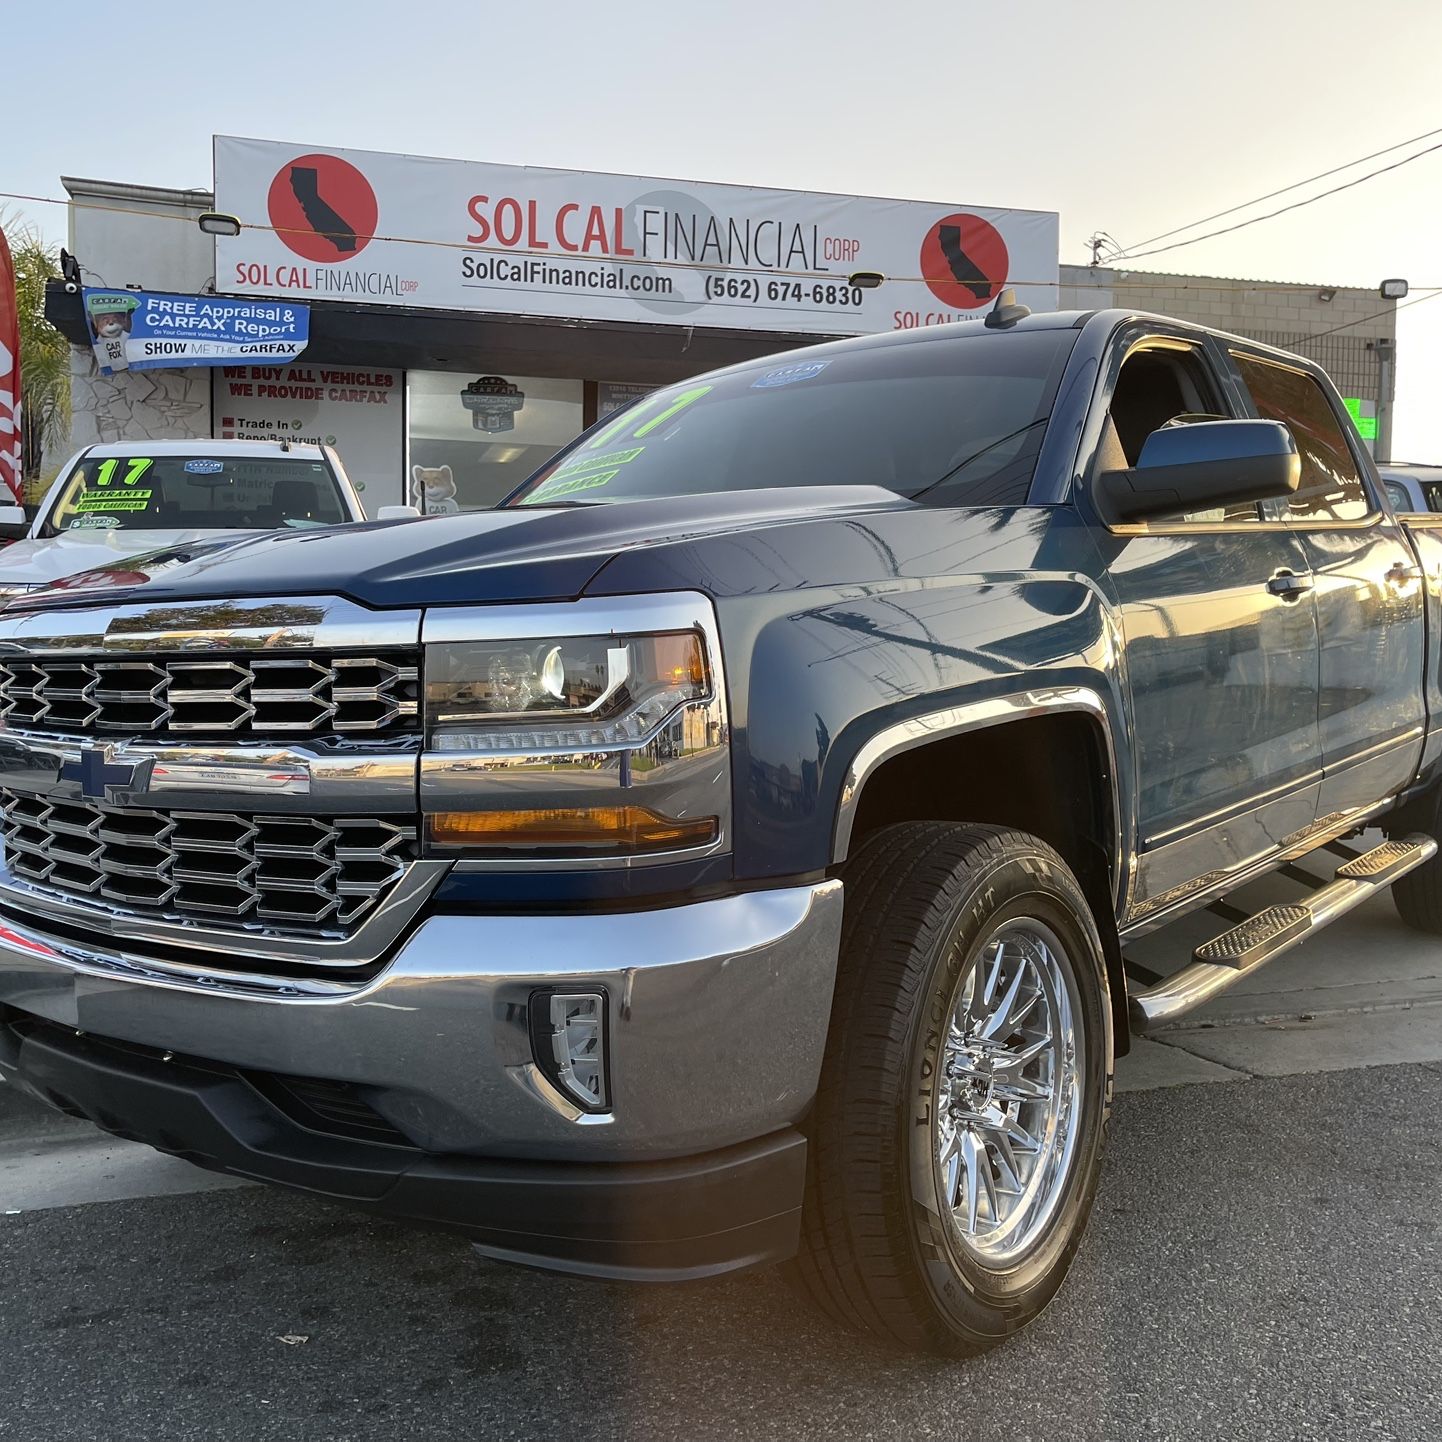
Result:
pixel 1386 349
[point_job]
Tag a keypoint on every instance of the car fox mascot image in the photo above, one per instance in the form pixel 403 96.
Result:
pixel 433 491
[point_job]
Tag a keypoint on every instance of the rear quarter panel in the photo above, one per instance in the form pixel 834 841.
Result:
pixel 1425 533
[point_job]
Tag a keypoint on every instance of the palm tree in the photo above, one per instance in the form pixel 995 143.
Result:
pixel 44 352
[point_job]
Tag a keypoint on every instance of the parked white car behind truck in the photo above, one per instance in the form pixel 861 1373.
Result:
pixel 128 499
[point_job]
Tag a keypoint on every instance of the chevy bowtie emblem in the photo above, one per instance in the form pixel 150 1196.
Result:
pixel 99 773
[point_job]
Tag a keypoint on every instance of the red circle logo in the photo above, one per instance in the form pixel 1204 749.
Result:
pixel 964 261
pixel 322 207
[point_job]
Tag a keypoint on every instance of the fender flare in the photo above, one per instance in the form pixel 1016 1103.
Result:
pixel 976 716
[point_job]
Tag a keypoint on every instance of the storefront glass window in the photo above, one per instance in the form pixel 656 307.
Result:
pixel 612 396
pixel 475 437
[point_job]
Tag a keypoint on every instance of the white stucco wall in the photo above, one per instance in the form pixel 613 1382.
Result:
pixel 144 236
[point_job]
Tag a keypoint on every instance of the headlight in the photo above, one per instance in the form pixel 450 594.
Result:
pixel 586 734
pixel 577 691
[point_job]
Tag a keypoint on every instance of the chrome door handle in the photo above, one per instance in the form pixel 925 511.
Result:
pixel 1400 572
pixel 1289 586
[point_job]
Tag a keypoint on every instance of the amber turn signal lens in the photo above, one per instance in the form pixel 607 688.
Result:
pixel 679 660
pixel 621 828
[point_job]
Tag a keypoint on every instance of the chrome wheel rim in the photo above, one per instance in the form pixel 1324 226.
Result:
pixel 1010 1090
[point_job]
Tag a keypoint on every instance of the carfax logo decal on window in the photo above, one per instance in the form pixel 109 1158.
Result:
pixel 789 375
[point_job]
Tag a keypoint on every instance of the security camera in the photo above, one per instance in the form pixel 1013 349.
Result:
pixel 71 288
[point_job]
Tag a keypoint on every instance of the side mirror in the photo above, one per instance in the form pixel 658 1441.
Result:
pixel 13 523
pixel 396 513
pixel 1201 465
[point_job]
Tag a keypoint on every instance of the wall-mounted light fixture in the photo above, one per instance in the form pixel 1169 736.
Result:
pixel 212 222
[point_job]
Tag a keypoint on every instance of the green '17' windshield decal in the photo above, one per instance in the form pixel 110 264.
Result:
pixel 575 472
pixel 634 413
pixel 135 467
pixel 680 404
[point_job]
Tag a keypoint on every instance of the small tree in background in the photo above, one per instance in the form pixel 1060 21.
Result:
pixel 44 352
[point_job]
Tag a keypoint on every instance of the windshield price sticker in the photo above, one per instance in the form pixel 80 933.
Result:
pixel 572 464
pixel 114 501
pixel 552 489
pixel 135 467
pixel 567 477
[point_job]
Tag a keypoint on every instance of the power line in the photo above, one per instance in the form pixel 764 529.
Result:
pixel 1361 320
pixel 1272 214
pixel 1271 194
pixel 1145 281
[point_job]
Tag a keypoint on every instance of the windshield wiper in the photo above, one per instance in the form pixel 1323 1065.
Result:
pixel 977 455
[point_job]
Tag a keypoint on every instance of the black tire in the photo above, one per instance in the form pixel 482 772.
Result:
pixel 878 1251
pixel 1418 897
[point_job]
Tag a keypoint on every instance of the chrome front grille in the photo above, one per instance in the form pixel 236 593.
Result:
pixel 310 874
pixel 214 694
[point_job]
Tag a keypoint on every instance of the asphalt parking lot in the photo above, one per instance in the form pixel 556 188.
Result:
pixel 1263 1263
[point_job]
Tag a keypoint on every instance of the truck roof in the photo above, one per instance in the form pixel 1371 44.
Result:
pixel 204 445
pixel 1422 470
pixel 1046 320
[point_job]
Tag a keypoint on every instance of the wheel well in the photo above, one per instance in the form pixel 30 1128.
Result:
pixel 1046 775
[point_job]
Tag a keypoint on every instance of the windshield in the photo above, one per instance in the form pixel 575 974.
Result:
pixel 195 492
pixel 955 421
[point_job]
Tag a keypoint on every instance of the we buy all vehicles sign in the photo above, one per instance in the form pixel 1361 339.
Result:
pixel 359 412
pixel 374 228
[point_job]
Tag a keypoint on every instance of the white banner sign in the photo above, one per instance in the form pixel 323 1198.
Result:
pixel 362 413
pixel 363 226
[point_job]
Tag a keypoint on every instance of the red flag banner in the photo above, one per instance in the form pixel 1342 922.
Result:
pixel 11 455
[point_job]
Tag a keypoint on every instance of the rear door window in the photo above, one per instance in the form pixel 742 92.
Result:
pixel 1331 487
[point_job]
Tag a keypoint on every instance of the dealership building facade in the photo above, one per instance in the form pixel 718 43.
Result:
pixel 466 320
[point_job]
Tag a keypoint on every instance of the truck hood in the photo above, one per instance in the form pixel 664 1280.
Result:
pixel 528 553
pixel 38 562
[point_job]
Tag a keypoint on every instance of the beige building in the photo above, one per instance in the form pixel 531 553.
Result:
pixel 1351 332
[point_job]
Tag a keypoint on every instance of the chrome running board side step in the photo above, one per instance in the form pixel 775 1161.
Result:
pixel 1226 959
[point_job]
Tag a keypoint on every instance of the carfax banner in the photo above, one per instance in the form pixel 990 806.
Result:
pixel 141 330
pixel 370 227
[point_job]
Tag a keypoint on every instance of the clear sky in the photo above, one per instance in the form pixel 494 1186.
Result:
pixel 1132 117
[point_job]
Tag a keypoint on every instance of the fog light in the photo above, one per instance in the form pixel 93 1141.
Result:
pixel 570 1044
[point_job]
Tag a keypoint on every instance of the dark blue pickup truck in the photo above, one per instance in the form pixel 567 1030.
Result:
pixel 725 852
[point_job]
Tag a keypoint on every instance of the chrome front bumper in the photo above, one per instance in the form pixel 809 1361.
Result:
pixel 718 1018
